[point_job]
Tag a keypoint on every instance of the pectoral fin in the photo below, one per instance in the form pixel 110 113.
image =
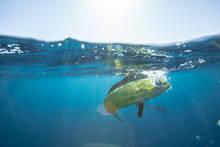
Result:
pixel 116 115
pixel 156 108
pixel 140 109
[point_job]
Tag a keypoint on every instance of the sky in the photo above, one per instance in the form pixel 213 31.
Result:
pixel 128 21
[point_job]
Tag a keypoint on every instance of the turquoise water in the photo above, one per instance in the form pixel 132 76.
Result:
pixel 47 99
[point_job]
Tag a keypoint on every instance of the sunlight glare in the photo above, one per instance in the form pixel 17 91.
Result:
pixel 112 10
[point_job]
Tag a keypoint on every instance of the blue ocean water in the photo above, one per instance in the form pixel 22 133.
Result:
pixel 50 92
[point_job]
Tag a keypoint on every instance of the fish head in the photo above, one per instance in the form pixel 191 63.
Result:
pixel 161 84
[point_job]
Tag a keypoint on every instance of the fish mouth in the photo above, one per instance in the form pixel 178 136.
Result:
pixel 166 87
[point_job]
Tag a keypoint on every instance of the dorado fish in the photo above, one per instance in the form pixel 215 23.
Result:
pixel 135 89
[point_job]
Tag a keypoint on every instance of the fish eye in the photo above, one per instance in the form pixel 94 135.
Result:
pixel 159 82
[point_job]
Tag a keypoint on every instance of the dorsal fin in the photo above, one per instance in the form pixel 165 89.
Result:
pixel 140 109
pixel 127 79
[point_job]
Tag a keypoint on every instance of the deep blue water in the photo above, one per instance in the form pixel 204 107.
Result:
pixel 47 99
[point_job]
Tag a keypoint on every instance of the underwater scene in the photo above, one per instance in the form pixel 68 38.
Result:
pixel 87 94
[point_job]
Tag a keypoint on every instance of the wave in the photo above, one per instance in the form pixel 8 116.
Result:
pixel 22 57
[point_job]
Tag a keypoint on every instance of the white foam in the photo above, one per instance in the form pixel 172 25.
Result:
pixel 187 51
pixel 201 60
pixel 187 65
pixel 12 51
pixel 9 45
pixel 183 64
pixel 2 49
pixel 4 52
pixel 177 44
pixel 154 73
pixel 59 44
pixel 17 47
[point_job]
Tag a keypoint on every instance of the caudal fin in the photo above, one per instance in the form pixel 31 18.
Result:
pixel 101 110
